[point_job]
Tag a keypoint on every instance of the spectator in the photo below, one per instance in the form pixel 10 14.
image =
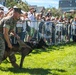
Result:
pixel 49 14
pixel 31 17
pixel 19 29
pixel 74 26
pixel 26 26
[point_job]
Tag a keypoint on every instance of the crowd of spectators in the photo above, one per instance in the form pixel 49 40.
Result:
pixel 29 23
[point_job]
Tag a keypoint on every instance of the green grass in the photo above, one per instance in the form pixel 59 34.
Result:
pixel 55 60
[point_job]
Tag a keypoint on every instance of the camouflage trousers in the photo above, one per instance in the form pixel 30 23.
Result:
pixel 2 48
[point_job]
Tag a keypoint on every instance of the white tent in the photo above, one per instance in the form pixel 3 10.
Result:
pixel 5 8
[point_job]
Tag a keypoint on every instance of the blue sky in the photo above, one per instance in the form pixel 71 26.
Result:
pixel 45 3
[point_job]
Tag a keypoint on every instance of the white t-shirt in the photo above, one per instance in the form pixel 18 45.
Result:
pixel 31 17
pixel 19 24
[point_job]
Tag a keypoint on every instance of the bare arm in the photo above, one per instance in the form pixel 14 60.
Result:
pixel 15 35
pixel 6 36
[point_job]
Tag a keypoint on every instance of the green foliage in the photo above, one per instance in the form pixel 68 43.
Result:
pixel 55 60
pixel 21 4
pixel 71 14
pixel 10 3
pixel 54 11
pixel 75 15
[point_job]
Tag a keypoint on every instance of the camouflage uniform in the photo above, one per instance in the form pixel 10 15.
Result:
pixel 2 48
pixel 10 24
pixel 2 42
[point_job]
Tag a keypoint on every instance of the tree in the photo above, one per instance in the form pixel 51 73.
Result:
pixel 54 11
pixel 10 3
pixel 23 5
pixel 18 3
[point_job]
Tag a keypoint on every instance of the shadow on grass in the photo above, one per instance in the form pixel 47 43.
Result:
pixel 59 70
pixel 54 47
pixel 34 71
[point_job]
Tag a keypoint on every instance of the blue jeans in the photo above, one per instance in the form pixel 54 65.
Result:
pixel 23 36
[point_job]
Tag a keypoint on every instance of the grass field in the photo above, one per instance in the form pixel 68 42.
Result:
pixel 55 60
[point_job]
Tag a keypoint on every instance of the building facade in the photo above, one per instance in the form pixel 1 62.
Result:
pixel 67 5
pixel 3 2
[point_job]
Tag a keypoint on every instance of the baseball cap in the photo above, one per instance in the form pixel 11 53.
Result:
pixel 17 10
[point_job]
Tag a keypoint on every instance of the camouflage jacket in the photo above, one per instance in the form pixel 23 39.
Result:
pixel 10 23
pixel 1 27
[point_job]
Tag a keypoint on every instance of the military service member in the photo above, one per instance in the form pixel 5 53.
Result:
pixel 8 27
pixel 2 47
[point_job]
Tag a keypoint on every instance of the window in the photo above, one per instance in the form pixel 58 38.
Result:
pixel 70 1
pixel 70 4
pixel 61 2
